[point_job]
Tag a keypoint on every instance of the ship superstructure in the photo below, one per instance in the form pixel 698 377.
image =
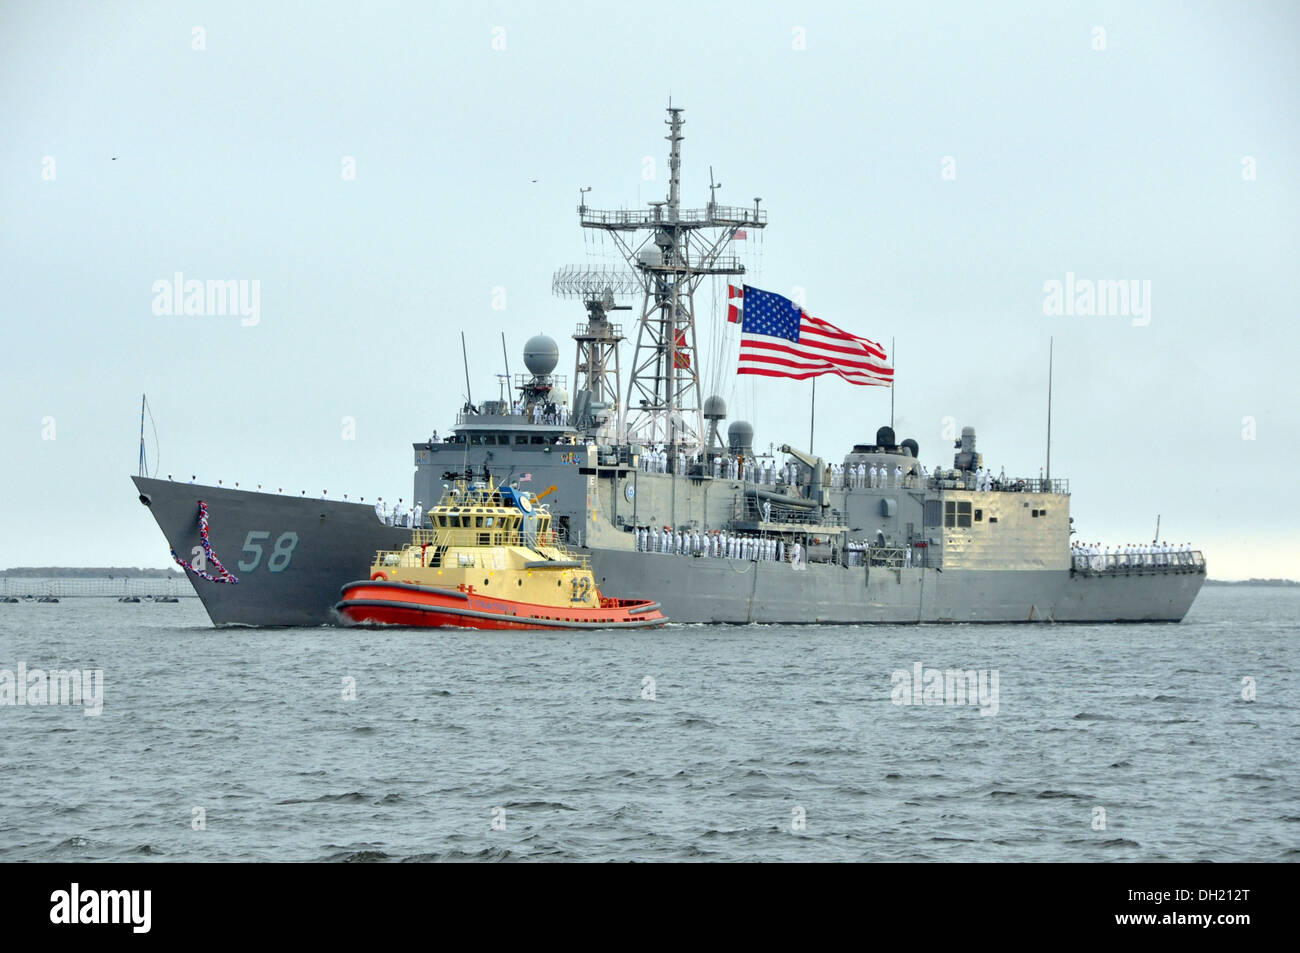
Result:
pixel 667 507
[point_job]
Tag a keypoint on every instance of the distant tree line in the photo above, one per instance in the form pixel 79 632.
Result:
pixel 90 572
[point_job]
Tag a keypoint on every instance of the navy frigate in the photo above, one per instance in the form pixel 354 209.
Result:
pixel 669 508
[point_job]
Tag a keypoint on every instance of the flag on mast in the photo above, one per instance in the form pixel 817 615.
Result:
pixel 735 303
pixel 780 339
pixel 683 353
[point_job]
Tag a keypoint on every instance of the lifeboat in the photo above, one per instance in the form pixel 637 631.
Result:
pixel 488 560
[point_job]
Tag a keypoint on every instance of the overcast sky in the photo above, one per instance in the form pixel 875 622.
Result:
pixel 928 170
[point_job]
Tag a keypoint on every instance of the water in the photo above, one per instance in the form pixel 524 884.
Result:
pixel 748 725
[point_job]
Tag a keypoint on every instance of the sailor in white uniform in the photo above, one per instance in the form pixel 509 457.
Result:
pixel 419 513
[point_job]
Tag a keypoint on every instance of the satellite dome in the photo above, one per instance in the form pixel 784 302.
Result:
pixel 541 354
pixel 559 395
pixel 740 435
pixel 715 408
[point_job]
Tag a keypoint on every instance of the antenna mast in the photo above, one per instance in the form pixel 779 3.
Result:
pixel 1050 342
pixel 469 397
pixel 671 250
pixel 143 468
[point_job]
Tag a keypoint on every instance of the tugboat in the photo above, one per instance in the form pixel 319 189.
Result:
pixel 490 560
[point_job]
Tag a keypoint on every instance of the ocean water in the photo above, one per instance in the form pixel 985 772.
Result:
pixel 750 742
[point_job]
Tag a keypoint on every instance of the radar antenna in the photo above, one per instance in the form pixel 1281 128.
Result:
pixel 670 250
pixel 597 374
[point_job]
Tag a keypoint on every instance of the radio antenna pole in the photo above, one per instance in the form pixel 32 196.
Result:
pixel 1050 343
pixel 465 355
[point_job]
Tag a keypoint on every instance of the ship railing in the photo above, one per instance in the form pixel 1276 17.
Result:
pixel 887 557
pixel 1124 563
pixel 485 536
pixel 601 331
pixel 474 558
pixel 1008 485
pixel 719 215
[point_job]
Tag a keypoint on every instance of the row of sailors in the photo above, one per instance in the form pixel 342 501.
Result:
pixel 655 460
pixel 409 517
pixel 860 476
pixel 1132 554
pixel 542 412
pixel 763 471
pixel 715 544
pixel 984 481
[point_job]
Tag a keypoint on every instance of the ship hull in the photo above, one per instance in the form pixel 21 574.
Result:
pixel 698 589
pixel 329 542
pixel 371 602
pixel 322 544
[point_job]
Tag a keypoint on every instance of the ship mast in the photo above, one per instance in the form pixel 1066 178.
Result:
pixel 671 250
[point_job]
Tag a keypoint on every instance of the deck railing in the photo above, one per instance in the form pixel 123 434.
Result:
pixel 1121 563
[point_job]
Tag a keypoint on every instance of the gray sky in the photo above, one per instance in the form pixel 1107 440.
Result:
pixel 1131 162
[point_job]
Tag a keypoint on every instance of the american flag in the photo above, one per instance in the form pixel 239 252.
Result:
pixel 780 339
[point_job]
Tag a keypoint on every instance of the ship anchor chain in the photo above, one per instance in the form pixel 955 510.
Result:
pixel 208 554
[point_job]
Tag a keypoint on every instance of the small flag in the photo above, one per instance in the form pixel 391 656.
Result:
pixel 525 478
pixel 738 235
pixel 683 353
pixel 734 311
pixel 780 339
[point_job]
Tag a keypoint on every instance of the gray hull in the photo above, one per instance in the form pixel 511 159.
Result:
pixel 325 544
pixel 699 589
pixel 329 544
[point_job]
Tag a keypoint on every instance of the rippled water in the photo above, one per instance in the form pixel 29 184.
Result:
pixel 550 734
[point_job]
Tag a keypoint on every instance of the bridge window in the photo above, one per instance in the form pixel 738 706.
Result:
pixel 957 513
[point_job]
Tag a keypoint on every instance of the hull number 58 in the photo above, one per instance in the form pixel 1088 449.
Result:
pixel 281 552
